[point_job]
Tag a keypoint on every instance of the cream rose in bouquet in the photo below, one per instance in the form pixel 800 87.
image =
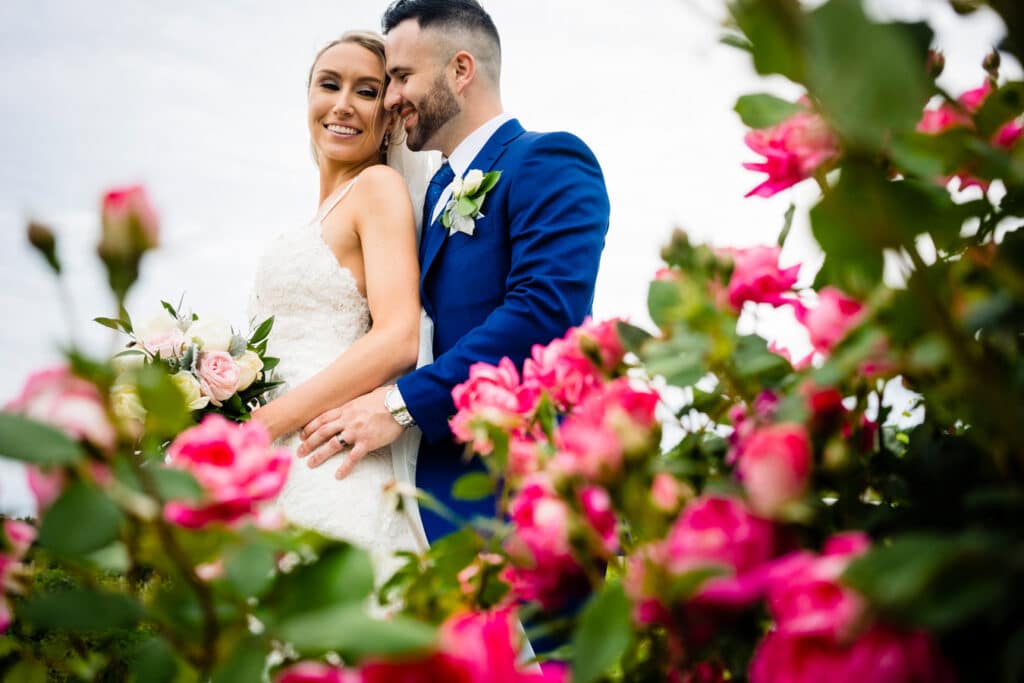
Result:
pixel 216 369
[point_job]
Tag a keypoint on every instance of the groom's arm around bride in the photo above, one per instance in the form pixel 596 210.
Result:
pixel 520 273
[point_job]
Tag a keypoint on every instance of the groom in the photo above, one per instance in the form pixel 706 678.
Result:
pixel 521 273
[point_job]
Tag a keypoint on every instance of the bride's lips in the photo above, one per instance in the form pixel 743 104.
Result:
pixel 341 131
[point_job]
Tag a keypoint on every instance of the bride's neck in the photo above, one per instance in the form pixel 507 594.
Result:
pixel 333 176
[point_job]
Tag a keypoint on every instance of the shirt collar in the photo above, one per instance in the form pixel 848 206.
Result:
pixel 463 155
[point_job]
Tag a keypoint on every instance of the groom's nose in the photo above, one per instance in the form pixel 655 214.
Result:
pixel 392 96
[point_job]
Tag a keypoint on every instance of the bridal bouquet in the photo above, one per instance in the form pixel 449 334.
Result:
pixel 216 369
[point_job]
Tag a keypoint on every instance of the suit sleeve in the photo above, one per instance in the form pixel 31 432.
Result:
pixel 557 213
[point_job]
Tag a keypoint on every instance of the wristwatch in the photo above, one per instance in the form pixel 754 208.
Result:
pixel 396 406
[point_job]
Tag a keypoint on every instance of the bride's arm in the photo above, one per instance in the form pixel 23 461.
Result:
pixel 384 225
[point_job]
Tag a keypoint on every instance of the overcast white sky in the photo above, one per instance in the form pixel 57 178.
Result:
pixel 204 103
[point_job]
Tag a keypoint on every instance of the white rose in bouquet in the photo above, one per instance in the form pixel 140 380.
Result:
pixel 211 334
pixel 161 335
pixel 249 366
pixel 190 389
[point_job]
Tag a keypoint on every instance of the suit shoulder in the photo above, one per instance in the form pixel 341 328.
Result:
pixel 533 141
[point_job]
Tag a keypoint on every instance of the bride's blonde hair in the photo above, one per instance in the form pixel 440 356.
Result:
pixel 373 42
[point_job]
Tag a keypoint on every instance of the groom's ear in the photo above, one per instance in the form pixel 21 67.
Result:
pixel 464 68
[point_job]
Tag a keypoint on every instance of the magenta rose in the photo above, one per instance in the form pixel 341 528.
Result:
pixel 563 371
pixel 775 467
pixel 831 319
pixel 793 150
pixel 600 516
pixel 601 340
pixel 757 277
pixel 67 402
pixel 719 532
pixel 491 397
pixel 218 375
pixel 235 464
pixel 316 672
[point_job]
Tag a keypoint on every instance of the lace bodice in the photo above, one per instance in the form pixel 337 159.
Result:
pixel 318 313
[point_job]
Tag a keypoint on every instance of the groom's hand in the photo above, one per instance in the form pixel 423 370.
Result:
pixel 363 423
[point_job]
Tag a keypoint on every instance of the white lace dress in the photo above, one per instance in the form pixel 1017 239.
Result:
pixel 318 313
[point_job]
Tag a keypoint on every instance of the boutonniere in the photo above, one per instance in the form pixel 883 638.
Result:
pixel 468 195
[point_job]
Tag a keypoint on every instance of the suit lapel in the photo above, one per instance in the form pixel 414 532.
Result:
pixel 436 235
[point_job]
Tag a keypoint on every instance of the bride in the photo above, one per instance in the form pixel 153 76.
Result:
pixel 344 293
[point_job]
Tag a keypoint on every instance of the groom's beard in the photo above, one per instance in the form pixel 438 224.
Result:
pixel 437 108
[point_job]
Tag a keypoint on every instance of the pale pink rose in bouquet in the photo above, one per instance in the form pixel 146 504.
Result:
pixel 793 150
pixel 218 375
pixel 161 335
pixel 834 315
pixel 490 397
pixel 775 467
pixel 235 464
pixel 130 225
pixel 757 277
pixel 69 403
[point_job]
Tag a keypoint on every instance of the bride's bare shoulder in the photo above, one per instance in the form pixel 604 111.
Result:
pixel 380 178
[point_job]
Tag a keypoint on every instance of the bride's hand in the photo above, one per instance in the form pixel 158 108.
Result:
pixel 360 426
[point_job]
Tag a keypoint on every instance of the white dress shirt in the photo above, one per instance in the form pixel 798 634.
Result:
pixel 463 155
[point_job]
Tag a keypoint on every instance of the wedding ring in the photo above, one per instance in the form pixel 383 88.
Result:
pixel 341 442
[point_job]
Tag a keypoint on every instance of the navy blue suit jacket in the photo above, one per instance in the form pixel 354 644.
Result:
pixel 523 277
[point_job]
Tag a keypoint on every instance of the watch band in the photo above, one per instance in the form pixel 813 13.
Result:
pixel 396 406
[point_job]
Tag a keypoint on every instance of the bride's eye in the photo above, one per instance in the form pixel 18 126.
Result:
pixel 368 92
pixel 329 85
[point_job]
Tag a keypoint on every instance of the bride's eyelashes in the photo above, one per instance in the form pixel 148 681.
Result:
pixel 369 93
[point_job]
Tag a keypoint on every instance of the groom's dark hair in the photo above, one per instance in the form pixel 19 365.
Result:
pixel 451 17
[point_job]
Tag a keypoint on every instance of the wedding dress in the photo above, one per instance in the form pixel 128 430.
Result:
pixel 318 313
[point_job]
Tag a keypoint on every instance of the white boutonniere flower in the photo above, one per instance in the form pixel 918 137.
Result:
pixel 468 194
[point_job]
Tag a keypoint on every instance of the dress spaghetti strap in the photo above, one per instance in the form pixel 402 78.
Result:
pixel 334 199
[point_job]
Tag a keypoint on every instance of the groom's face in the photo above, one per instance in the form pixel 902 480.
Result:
pixel 419 89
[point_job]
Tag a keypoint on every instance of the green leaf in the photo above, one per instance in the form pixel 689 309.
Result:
pixel 737 41
pixel 34 442
pixel 664 303
pixel 602 634
pixel 126 320
pixel 491 179
pixel 787 224
pixel 154 662
pixel 681 360
pixel 173 484
pixel 169 308
pixel 763 110
pixel 869 78
pixel 1003 105
pixel 753 360
pixel 466 207
pixel 633 337
pixel 82 610
pixel 346 629
pixel 342 575
pixel 112 323
pixel 251 570
pixel 473 486
pixel 263 331
pixel 81 521
pixel 166 412
pixel 27 671
pixel 245 664
pixel 776 33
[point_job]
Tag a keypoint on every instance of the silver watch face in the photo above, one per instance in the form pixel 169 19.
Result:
pixel 391 399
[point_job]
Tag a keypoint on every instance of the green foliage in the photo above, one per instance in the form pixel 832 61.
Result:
pixel 603 633
pixel 33 442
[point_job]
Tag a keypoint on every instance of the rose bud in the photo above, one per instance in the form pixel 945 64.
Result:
pixel 41 237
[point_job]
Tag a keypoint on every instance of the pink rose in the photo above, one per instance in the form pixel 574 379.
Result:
pixel 794 150
pixel 757 277
pixel 601 342
pixel 491 397
pixel 45 485
pixel 715 531
pixel 67 402
pixel 218 375
pixel 543 568
pixel 130 225
pixel 565 371
pixel 775 467
pixel 316 672
pixel 831 319
pixel 881 655
pixel 19 536
pixel 666 492
pixel 236 465
pixel 599 514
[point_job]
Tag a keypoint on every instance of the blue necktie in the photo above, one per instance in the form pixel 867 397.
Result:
pixel 442 179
